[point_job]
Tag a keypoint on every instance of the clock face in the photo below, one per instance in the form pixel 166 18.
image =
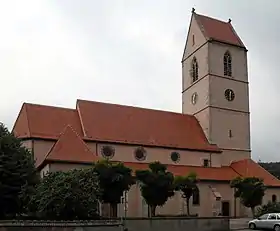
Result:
pixel 194 98
pixel 229 94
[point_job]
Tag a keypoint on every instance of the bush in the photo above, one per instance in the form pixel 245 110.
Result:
pixel 270 207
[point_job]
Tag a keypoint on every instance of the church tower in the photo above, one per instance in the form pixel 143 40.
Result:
pixel 215 85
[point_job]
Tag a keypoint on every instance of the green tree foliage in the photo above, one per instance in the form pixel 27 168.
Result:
pixel 17 175
pixel 156 185
pixel 114 180
pixel 186 185
pixel 270 207
pixel 67 196
pixel 250 190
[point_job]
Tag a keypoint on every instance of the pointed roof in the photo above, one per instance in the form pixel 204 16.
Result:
pixel 249 168
pixel 217 30
pixel 71 148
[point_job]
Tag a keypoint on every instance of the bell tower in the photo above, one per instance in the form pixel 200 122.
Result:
pixel 215 85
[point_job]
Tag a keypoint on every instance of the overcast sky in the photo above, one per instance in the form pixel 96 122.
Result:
pixel 129 52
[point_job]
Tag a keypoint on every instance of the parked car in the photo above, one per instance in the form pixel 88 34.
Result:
pixel 269 221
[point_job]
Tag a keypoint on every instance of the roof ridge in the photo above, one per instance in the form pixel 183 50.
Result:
pixel 135 107
pixel 49 106
pixel 212 18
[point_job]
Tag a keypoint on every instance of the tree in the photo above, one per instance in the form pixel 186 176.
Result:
pixel 17 175
pixel 67 196
pixel 250 190
pixel 187 185
pixel 156 185
pixel 270 207
pixel 114 180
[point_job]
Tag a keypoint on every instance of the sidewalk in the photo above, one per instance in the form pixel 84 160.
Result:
pixel 239 223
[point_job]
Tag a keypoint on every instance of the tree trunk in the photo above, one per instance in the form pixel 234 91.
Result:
pixel 113 210
pixel 253 211
pixel 153 210
pixel 188 206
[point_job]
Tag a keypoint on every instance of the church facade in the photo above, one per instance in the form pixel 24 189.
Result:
pixel 211 136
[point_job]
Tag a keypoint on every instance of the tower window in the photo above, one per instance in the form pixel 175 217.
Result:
pixel 194 70
pixel 205 163
pixel 193 40
pixel 230 133
pixel 227 64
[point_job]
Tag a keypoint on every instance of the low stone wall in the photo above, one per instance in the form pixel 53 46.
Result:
pixel 132 224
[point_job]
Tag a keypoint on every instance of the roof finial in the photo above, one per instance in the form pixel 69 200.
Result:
pixel 193 10
pixel 229 20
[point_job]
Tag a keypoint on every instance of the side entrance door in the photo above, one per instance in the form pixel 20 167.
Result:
pixel 225 208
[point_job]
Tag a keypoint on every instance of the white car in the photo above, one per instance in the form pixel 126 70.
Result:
pixel 267 221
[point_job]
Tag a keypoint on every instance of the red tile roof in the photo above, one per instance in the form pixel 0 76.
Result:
pixel 249 168
pixel 218 30
pixel 71 148
pixel 115 123
pixel 126 124
pixel 203 173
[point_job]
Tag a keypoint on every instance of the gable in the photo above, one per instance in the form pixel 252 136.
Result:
pixel 21 127
pixel 71 148
pixel 194 33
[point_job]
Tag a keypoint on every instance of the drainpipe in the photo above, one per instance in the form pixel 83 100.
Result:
pixel 234 203
pixel 96 148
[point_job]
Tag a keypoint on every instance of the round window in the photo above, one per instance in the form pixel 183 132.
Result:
pixel 175 156
pixel 108 151
pixel 140 153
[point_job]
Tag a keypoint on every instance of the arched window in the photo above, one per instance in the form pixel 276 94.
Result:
pixel 194 70
pixel 227 64
pixel 196 197
pixel 274 198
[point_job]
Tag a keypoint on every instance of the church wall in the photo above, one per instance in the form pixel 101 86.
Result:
pixel 136 206
pixel 239 61
pixel 228 156
pixel 230 129
pixel 125 153
pixel 201 56
pixel 268 194
pixel 40 149
pixel 202 89
pixel 217 91
pixel 27 144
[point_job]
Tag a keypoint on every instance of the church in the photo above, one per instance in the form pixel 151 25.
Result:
pixel 211 136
